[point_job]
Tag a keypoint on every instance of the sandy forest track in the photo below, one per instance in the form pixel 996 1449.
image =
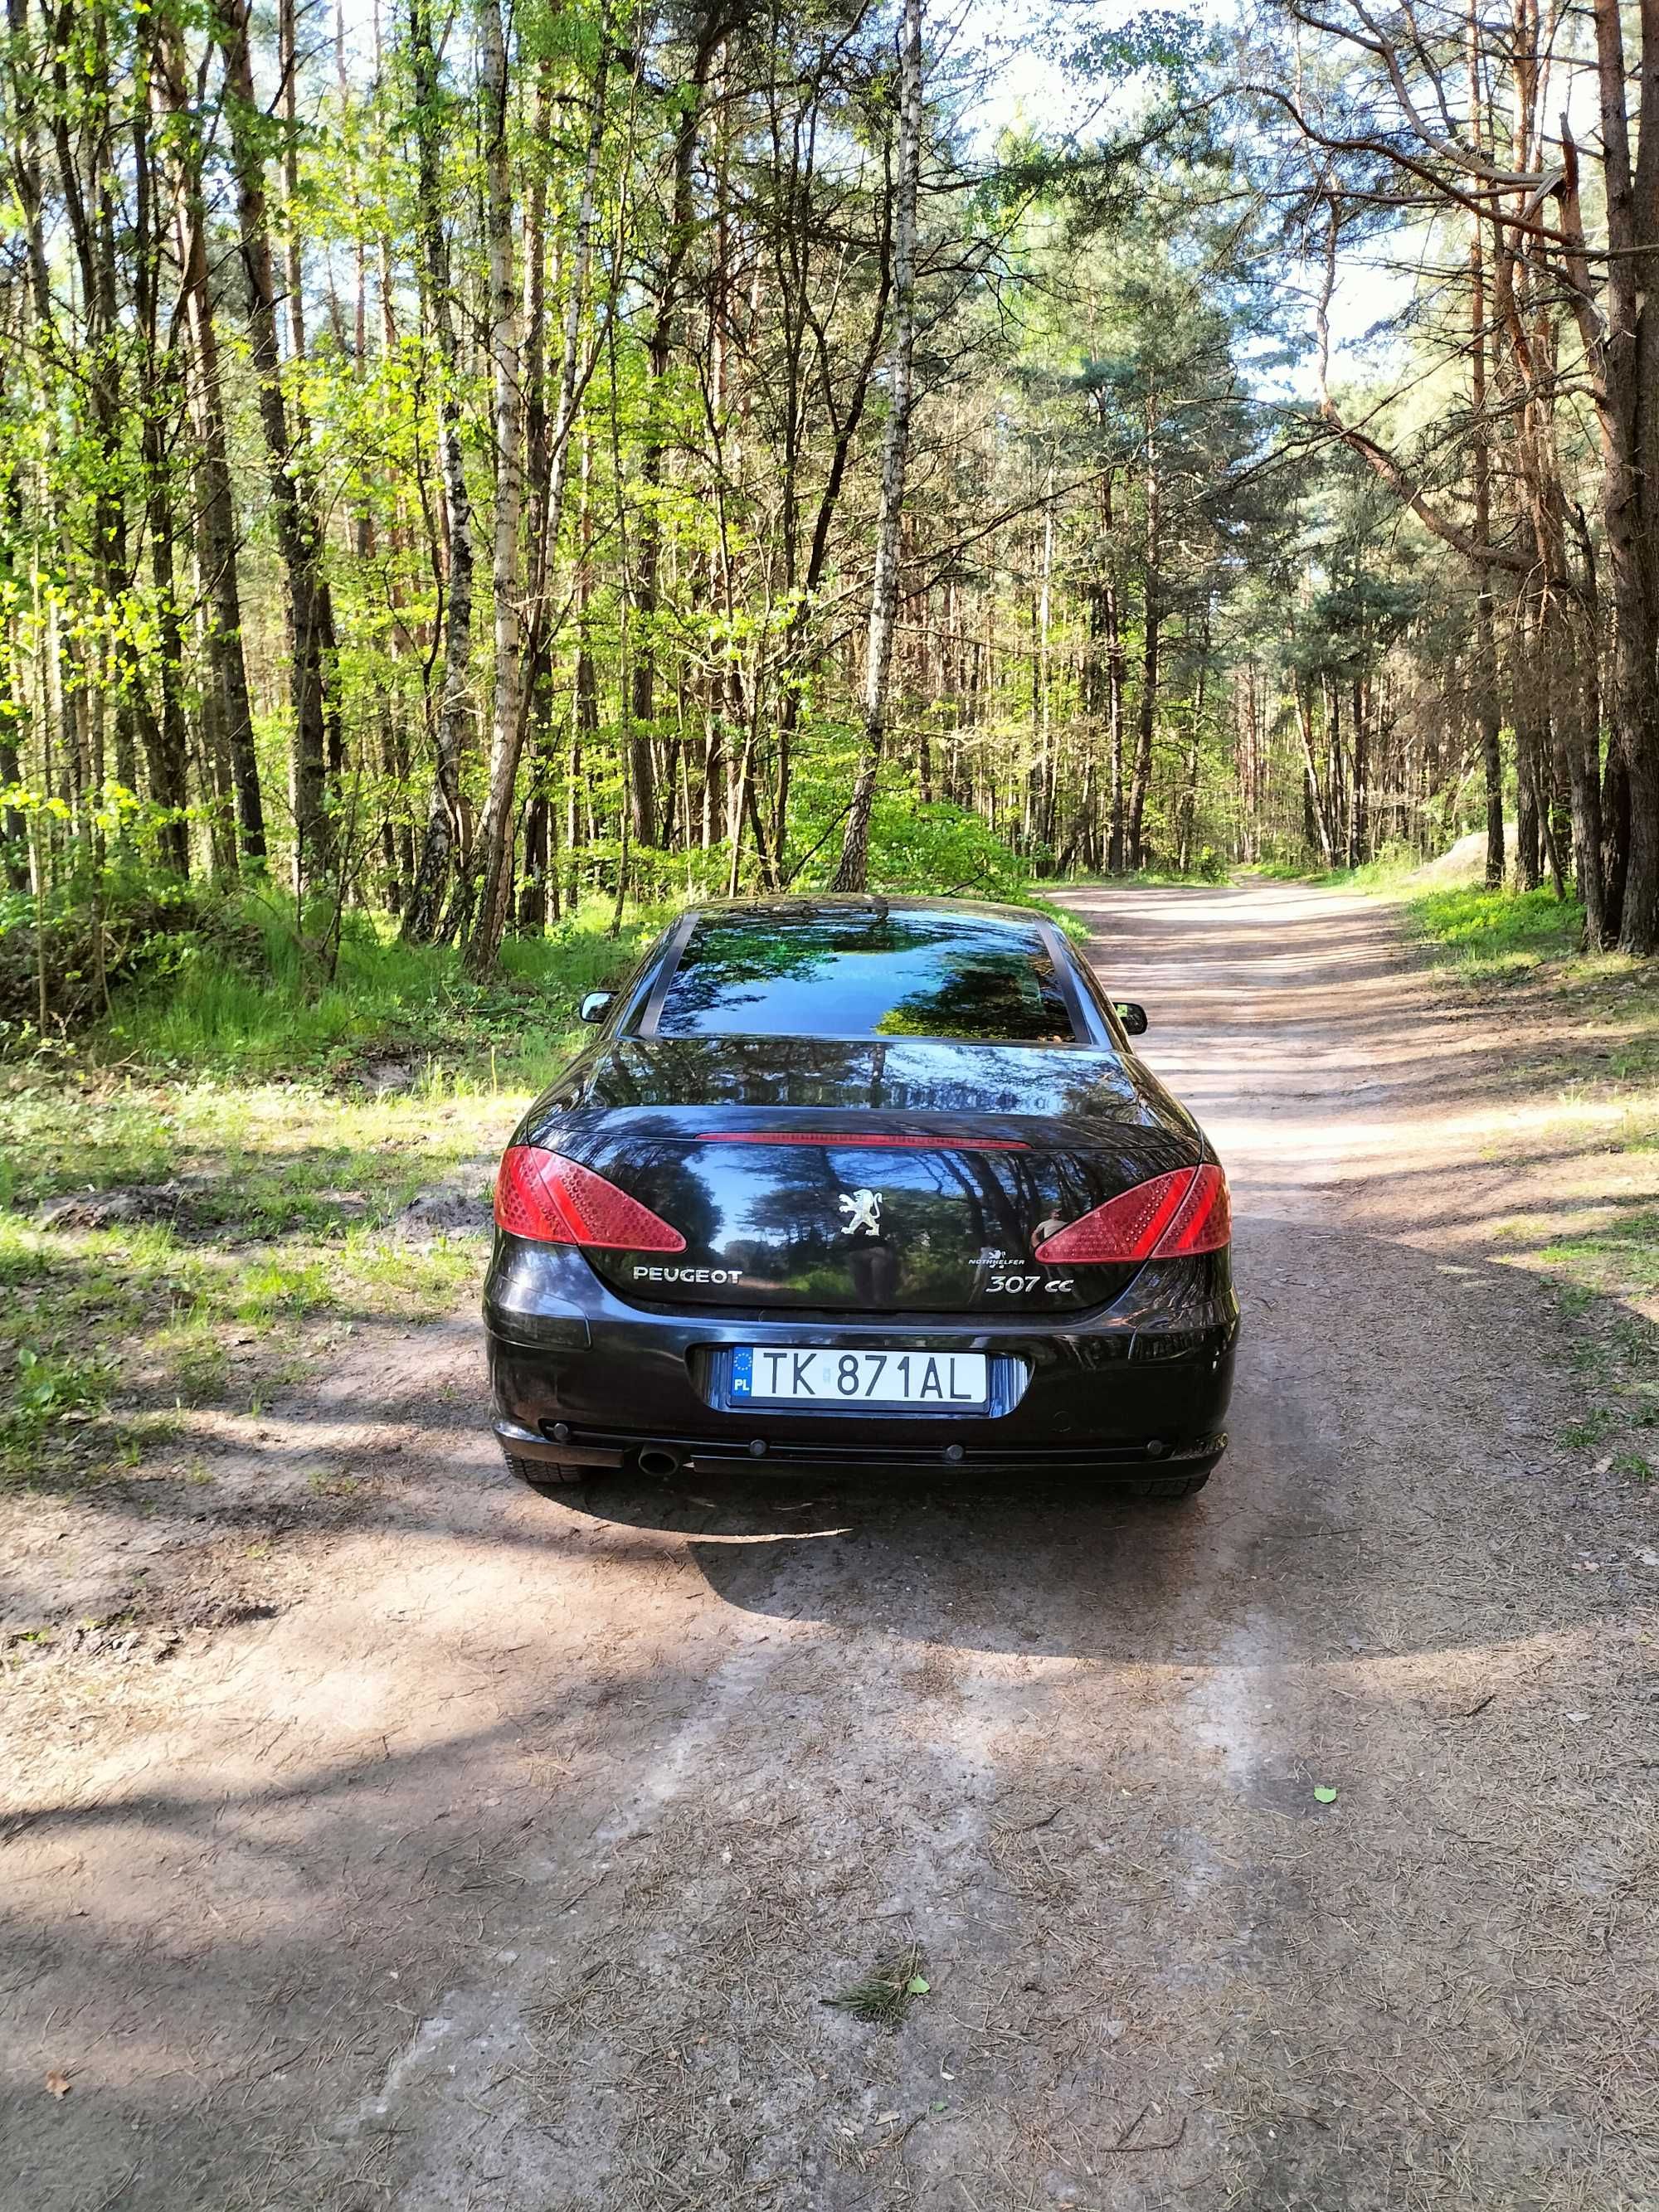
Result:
pixel 509 1864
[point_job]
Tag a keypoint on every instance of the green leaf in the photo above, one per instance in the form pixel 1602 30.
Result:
pixel 1326 1796
pixel 918 1985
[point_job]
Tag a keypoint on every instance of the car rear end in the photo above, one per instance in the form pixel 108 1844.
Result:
pixel 895 1248
pixel 975 1323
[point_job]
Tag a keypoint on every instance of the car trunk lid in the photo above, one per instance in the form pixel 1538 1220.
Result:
pixel 901 1175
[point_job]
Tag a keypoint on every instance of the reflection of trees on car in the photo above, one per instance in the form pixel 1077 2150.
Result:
pixel 918 1075
pixel 994 997
pixel 862 974
pixel 723 957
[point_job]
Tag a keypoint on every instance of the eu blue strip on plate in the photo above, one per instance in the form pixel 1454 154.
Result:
pixel 743 1371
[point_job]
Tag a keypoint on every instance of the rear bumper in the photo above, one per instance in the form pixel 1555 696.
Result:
pixel 580 1378
pixel 786 1453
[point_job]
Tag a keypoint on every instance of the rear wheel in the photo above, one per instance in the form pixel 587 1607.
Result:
pixel 550 1476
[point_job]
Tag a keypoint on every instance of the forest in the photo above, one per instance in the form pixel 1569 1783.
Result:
pixel 458 464
pixel 479 479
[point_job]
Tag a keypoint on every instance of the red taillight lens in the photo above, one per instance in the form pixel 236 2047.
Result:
pixel 553 1200
pixel 1173 1217
pixel 1203 1220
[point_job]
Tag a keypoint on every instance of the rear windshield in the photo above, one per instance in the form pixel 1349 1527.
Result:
pixel 878 974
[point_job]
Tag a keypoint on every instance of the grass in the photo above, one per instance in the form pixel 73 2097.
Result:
pixel 1591 1020
pixel 1492 937
pixel 257 1177
pixel 1382 873
pixel 253 1000
pixel 884 1996
pixel 108 1336
pixel 1207 876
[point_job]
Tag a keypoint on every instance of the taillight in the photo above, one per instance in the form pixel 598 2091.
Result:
pixel 553 1200
pixel 1173 1217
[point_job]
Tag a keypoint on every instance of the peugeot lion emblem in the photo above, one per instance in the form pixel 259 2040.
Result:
pixel 862 1209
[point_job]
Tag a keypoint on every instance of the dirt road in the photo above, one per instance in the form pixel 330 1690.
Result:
pixel 508 1862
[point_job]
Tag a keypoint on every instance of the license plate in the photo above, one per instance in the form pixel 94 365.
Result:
pixel 942 1379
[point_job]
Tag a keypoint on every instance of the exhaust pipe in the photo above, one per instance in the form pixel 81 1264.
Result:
pixel 660 1460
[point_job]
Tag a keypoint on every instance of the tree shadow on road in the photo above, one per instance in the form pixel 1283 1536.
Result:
pixel 1401 1459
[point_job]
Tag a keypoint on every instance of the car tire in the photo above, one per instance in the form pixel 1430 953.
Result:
pixel 547 1476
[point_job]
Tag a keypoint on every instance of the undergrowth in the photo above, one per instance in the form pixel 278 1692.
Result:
pixel 1588 1024
pixel 1496 937
pixel 250 996
pixel 237 1145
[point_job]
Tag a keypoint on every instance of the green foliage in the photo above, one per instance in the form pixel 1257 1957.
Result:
pixel 247 991
pixel 111 919
pixel 47 1389
pixel 941 849
pixel 1495 937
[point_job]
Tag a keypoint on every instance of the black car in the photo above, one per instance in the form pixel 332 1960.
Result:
pixel 861 1181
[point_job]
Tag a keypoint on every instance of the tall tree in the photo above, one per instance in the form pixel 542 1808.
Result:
pixel 298 525
pixel 853 872
pixel 453 718
pixel 552 470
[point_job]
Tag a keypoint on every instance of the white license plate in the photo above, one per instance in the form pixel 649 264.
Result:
pixel 943 1379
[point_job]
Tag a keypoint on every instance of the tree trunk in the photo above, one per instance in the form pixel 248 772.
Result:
pixel 508 743
pixel 506 734
pixel 852 874
pixel 215 501
pixel 168 743
pixel 298 527
pixel 1359 769
pixel 642 775
pixel 1319 810
pixel 1135 818
pixel 443 821
pixel 1622 347
pixel 1116 682
pixel 1486 650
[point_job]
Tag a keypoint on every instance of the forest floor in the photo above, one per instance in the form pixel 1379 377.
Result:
pixel 391 1835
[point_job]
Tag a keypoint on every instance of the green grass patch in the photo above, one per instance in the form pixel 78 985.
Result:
pixel 1597 1016
pixel 1582 1435
pixel 214 1177
pixel 1625 1252
pixel 1388 870
pixel 284 1204
pixel 1496 937
pixel 48 1388
pixel 255 996
pixel 883 1997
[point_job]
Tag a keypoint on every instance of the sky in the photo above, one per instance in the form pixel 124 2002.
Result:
pixel 1029 88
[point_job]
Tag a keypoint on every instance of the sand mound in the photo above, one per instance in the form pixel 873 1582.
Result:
pixel 1465 862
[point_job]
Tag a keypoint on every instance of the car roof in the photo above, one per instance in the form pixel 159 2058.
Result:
pixel 811 906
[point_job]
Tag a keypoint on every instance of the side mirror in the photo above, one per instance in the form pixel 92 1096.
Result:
pixel 597 1005
pixel 1134 1017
